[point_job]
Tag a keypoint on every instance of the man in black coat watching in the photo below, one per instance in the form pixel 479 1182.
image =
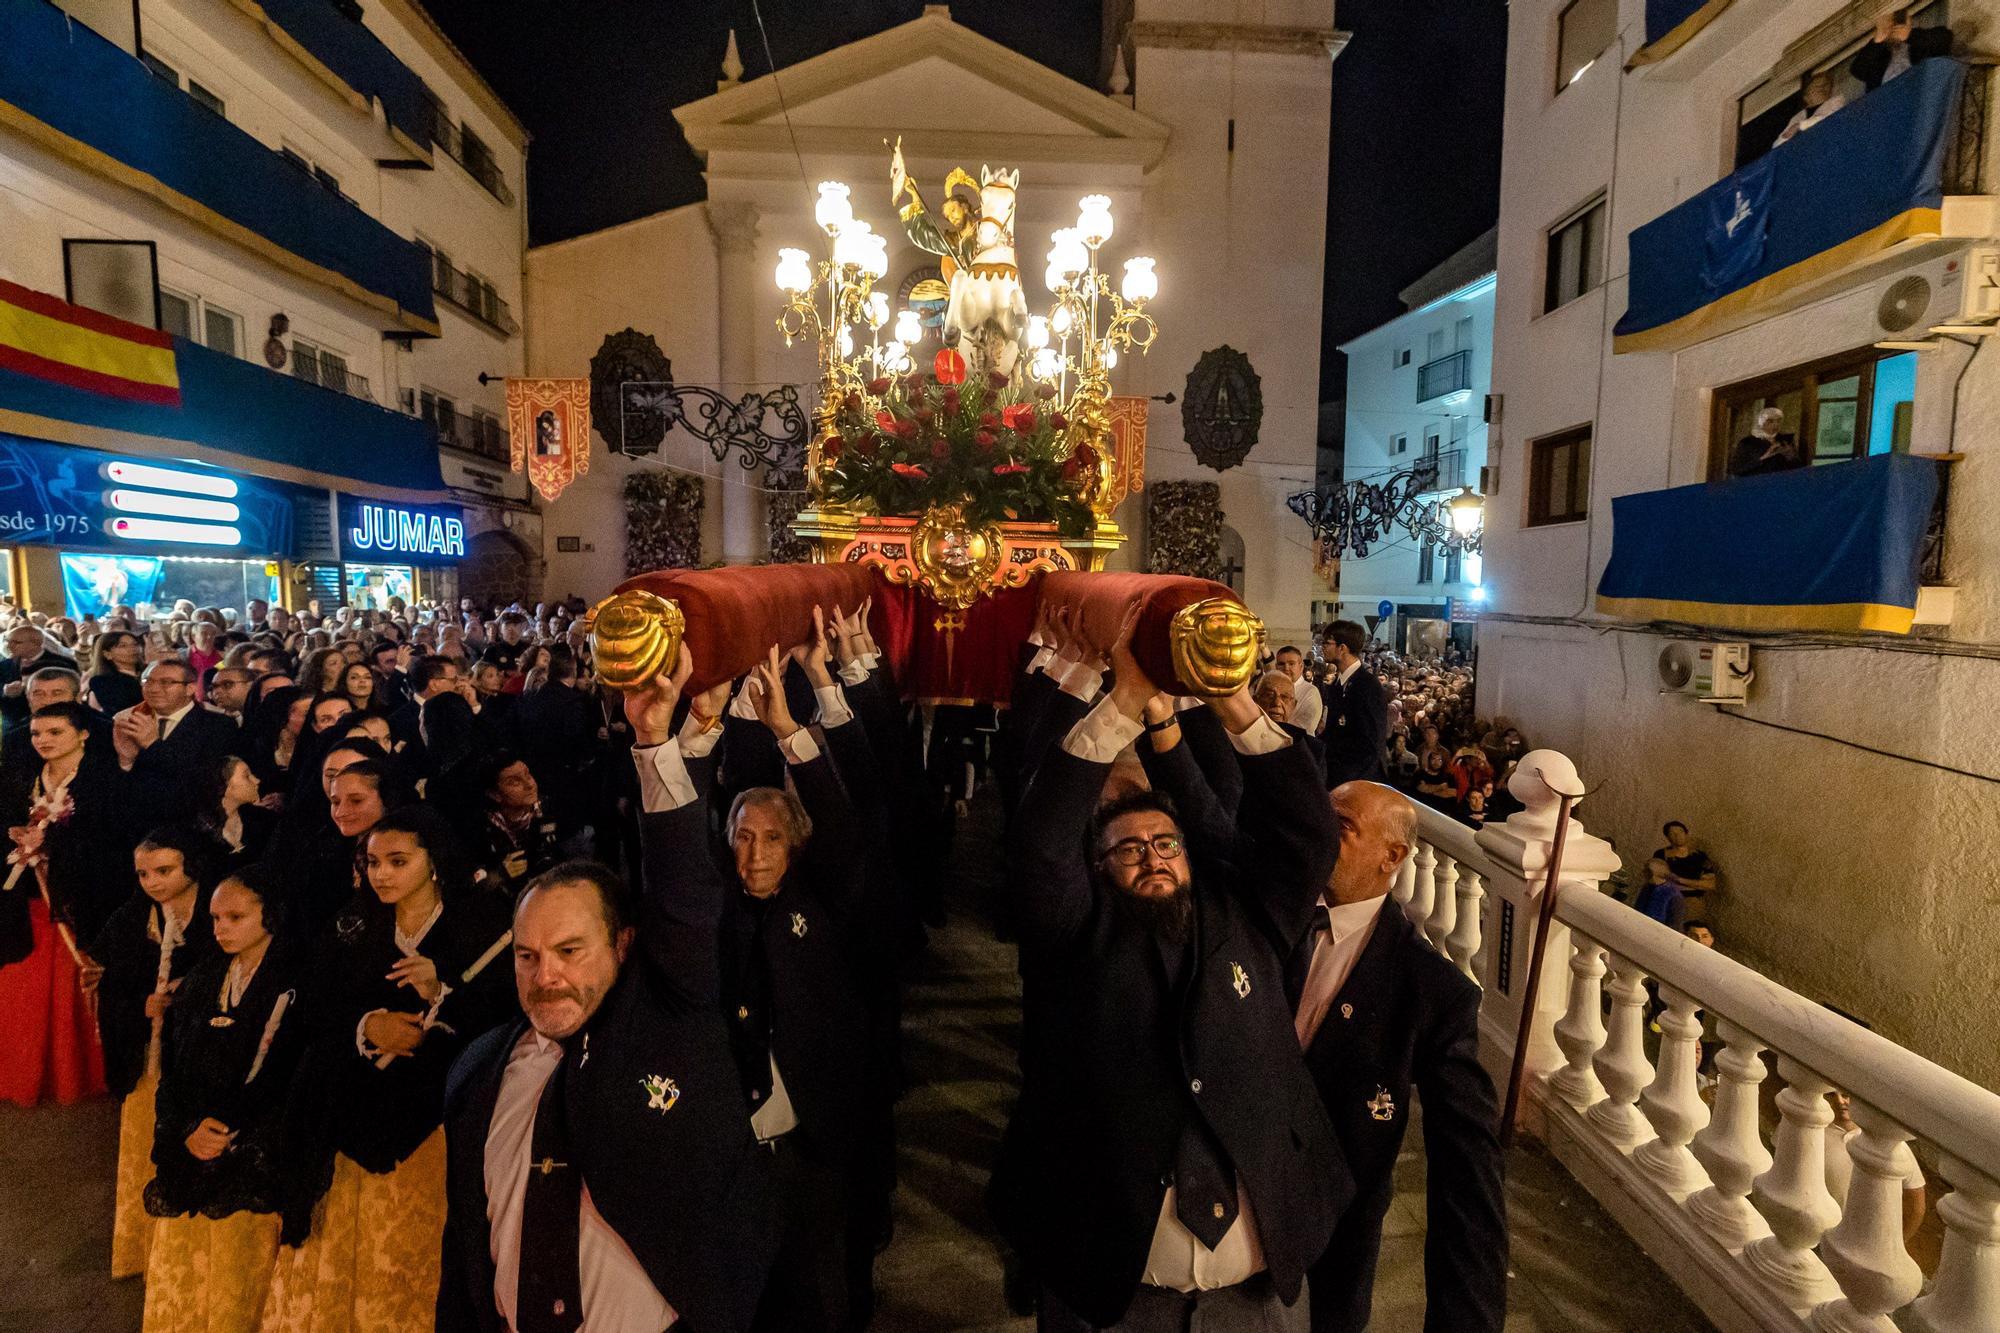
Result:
pixel 1357 709
pixel 166 737
pixel 28 651
pixel 1380 1012
pixel 1169 1160
pixel 600 1170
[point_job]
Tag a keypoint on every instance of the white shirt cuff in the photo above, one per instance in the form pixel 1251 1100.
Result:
pixel 697 741
pixel 1103 735
pixel 367 1049
pixel 871 660
pixel 799 747
pixel 855 672
pixel 1082 680
pixel 833 709
pixel 742 706
pixel 664 783
pixel 1040 661
pixel 1261 737
pixel 1185 702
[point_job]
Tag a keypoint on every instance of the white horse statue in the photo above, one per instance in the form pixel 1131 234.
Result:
pixel 987 311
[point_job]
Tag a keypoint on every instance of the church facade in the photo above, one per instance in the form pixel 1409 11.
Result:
pixel 1210 141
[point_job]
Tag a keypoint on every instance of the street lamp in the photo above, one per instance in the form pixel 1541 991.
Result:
pixel 1467 510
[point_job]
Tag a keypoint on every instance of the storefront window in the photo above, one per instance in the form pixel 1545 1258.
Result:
pixel 93 584
pixel 370 587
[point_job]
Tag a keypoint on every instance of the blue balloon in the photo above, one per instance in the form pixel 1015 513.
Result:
pixel 1385 608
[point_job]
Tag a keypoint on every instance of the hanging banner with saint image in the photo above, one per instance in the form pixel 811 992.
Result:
pixel 549 424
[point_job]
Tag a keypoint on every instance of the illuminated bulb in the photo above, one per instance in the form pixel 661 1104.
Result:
pixel 909 328
pixel 1070 253
pixel 833 212
pixel 1055 279
pixel 875 258
pixel 878 309
pixel 1038 331
pixel 1059 321
pixel 1141 283
pixel 1111 358
pixel 895 357
pixel 1093 219
pixel 846 341
pixel 794 271
pixel 850 248
pixel 1047 364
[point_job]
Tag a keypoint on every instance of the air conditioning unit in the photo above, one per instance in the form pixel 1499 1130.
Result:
pixel 1951 293
pixel 1715 673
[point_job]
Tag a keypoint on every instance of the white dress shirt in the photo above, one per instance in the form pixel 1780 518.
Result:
pixel 1333 961
pixel 1178 1260
pixel 1308 709
pixel 618 1296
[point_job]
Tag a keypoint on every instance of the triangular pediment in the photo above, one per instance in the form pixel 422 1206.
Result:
pixel 927 76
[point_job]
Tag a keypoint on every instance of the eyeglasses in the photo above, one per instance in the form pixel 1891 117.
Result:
pixel 1166 846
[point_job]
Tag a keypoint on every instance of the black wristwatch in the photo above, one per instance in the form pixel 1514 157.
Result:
pixel 1174 721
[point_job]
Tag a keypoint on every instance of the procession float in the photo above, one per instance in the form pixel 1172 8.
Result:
pixel 960 488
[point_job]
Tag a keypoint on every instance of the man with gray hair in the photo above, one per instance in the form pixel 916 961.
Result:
pixel 1380 1012
pixel 1766 448
pixel 50 685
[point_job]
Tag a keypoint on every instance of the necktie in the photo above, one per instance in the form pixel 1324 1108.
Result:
pixel 1204 1183
pixel 1299 965
pixel 548 1297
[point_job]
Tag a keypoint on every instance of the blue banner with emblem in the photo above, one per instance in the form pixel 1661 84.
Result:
pixel 1836 547
pixel 1868 177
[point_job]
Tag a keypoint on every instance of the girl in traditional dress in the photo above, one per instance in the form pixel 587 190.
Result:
pixel 233 811
pixel 321 843
pixel 412 971
pixel 72 863
pixel 151 943
pixel 275 736
pixel 237 1035
pixel 115 660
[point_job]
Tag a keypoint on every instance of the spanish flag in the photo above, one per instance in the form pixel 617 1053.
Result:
pixel 53 340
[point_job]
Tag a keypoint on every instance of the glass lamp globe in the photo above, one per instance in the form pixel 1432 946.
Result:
pixel 1070 253
pixel 1054 278
pixel 848 247
pixel 1111 358
pixel 1467 512
pixel 875 256
pixel 1047 365
pixel 1141 283
pixel 846 341
pixel 833 212
pixel 1038 331
pixel 895 357
pixel 794 271
pixel 1059 322
pixel 909 328
pixel 1093 219
pixel 878 309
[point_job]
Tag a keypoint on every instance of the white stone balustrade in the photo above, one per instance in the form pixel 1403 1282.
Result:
pixel 1748 1229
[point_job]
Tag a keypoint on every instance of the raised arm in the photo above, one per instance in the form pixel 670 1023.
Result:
pixel 1287 835
pixel 1171 767
pixel 681 888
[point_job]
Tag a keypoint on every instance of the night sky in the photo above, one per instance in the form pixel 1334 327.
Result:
pixel 1416 111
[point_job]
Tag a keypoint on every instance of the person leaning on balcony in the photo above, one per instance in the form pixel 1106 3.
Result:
pixel 1895 47
pixel 1817 101
pixel 1766 448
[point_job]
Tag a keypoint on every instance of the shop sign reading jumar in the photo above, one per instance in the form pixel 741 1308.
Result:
pixel 375 528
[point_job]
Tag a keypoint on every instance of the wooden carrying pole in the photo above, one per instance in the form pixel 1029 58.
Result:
pixel 1532 995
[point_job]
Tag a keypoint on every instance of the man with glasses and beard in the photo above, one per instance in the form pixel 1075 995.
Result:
pixel 1169 1164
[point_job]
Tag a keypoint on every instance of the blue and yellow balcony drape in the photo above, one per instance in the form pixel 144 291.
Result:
pixel 345 52
pixel 1672 24
pixel 1869 177
pixel 87 101
pixel 1824 548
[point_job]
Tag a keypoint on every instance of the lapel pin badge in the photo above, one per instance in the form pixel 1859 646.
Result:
pixel 661 1093
pixel 1347 1011
pixel 1382 1106
pixel 1239 980
pixel 799 925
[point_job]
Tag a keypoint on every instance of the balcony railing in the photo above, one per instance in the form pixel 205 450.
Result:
pixel 329 373
pixel 465 149
pixel 484 436
pixel 1968 168
pixel 1447 374
pixel 475 298
pixel 1736 1212
pixel 1439 472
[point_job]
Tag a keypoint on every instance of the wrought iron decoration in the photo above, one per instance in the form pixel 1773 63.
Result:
pixel 1357 515
pixel 765 429
pixel 1223 408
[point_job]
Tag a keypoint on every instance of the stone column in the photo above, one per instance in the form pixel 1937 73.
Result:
pixel 744 539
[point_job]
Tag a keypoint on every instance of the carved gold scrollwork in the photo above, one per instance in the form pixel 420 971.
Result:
pixel 634 636
pixel 1215 644
pixel 954 560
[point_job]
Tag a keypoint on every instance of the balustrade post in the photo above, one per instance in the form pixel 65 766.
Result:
pixel 1580 1032
pixel 1965 1298
pixel 1732 1148
pixel 1405 884
pixel 1793 1196
pixel 1621 1064
pixel 1465 939
pixel 1444 901
pixel 1672 1101
pixel 1866 1252
pixel 1518 854
pixel 1423 887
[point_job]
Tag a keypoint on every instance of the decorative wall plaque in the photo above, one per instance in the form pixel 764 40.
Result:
pixel 1223 408
pixel 624 358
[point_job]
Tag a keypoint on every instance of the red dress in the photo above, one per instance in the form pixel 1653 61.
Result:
pixel 48 1038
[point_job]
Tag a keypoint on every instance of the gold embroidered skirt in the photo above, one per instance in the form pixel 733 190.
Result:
pixel 209 1275
pixel 371 1263
pixel 131 1228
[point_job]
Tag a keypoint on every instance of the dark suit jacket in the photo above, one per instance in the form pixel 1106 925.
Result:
pixel 1871 62
pixel 169 772
pixel 1115 1060
pixel 1413 1023
pixel 14 708
pixel 687 1190
pixel 1357 729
